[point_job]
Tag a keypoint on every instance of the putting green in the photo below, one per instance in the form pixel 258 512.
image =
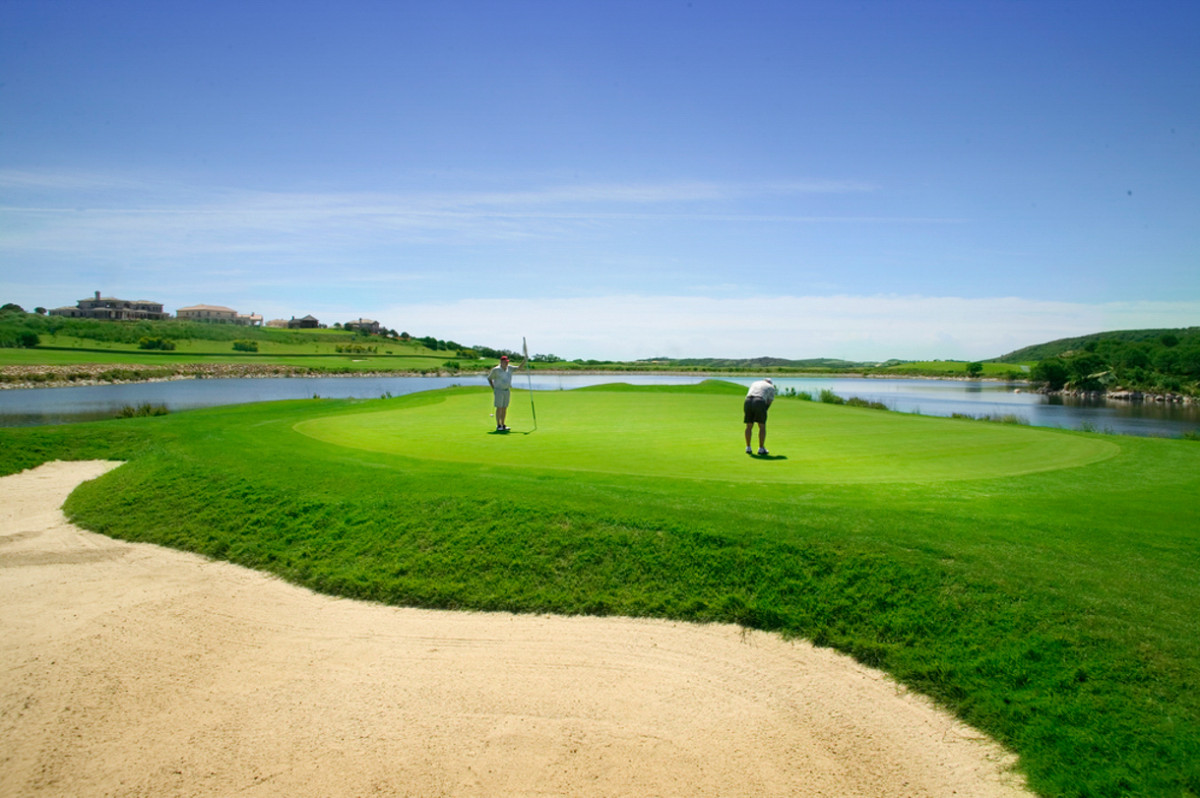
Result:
pixel 700 436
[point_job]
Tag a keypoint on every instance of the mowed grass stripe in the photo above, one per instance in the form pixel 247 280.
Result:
pixel 700 436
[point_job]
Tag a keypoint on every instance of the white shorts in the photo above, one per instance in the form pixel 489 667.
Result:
pixel 502 396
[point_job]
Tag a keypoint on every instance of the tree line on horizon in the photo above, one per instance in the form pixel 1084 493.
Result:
pixel 1163 361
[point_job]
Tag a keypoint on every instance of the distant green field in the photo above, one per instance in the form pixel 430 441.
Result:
pixel 955 368
pixel 316 356
pixel 81 342
pixel 1039 583
pixel 184 357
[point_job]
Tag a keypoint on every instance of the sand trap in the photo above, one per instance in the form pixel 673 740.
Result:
pixel 131 669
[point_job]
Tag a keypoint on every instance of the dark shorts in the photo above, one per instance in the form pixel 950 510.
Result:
pixel 755 410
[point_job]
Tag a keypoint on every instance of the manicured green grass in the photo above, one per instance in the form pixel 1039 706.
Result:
pixel 1041 584
pixel 688 435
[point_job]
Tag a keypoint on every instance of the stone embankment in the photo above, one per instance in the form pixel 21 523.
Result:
pixel 108 374
pixel 1122 395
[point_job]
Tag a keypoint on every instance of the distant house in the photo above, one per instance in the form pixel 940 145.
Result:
pixel 306 323
pixel 113 309
pixel 218 314
pixel 363 325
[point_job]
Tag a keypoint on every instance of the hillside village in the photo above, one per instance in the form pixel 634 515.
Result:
pixel 115 309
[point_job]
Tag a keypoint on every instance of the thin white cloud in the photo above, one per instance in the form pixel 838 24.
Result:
pixel 851 327
pixel 86 214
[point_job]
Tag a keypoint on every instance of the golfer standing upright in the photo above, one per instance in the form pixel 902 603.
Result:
pixel 500 378
pixel 758 401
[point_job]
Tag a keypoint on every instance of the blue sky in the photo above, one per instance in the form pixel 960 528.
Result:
pixel 861 180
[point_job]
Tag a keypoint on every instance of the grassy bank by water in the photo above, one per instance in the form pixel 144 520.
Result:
pixel 1040 583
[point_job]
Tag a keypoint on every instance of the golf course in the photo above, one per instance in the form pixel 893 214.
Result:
pixel 1039 584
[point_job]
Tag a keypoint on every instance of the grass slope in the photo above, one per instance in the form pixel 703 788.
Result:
pixel 1053 609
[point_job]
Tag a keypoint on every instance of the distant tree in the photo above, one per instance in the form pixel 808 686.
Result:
pixel 1169 340
pixel 1052 372
pixel 40 311
pixel 1189 361
pixel 1168 361
pixel 12 307
pixel 974 369
pixel 1134 357
pixel 1083 366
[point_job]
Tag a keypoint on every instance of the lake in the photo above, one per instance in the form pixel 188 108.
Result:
pixel 32 406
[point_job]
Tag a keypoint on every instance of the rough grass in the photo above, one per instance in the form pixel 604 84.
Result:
pixel 1052 609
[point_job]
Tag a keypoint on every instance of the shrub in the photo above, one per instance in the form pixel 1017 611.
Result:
pixel 1051 371
pixel 144 409
pixel 831 398
pixel 996 418
pixel 149 342
pixel 855 401
pixel 243 345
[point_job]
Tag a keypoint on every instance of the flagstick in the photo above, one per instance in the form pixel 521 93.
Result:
pixel 529 376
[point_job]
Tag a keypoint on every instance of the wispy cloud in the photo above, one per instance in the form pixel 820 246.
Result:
pixel 89 214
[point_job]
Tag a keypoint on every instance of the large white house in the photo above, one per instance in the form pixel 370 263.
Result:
pixel 218 314
pixel 113 309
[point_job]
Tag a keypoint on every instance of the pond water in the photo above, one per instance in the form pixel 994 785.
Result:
pixel 32 406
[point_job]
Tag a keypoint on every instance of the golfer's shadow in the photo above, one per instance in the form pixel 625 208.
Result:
pixel 769 456
pixel 509 432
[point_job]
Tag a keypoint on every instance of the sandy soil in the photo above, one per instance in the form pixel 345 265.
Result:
pixel 133 670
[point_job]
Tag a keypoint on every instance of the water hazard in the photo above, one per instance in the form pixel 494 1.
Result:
pixel 32 406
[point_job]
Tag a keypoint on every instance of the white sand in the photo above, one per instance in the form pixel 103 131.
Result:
pixel 134 670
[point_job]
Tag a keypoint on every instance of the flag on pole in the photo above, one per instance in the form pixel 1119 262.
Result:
pixel 532 409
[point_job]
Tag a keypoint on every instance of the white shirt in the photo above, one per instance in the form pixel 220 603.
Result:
pixel 501 378
pixel 762 390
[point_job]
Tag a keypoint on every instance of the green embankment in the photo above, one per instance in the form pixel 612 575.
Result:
pixel 65 342
pixel 1041 584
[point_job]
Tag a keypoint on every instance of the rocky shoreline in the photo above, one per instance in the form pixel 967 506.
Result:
pixel 17 377
pixel 1124 395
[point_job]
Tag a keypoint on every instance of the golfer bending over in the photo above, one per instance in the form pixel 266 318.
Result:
pixel 500 378
pixel 758 400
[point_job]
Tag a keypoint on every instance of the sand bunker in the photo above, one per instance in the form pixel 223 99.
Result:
pixel 136 670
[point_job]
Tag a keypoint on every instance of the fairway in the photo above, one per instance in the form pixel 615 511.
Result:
pixel 698 434
pixel 1039 583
